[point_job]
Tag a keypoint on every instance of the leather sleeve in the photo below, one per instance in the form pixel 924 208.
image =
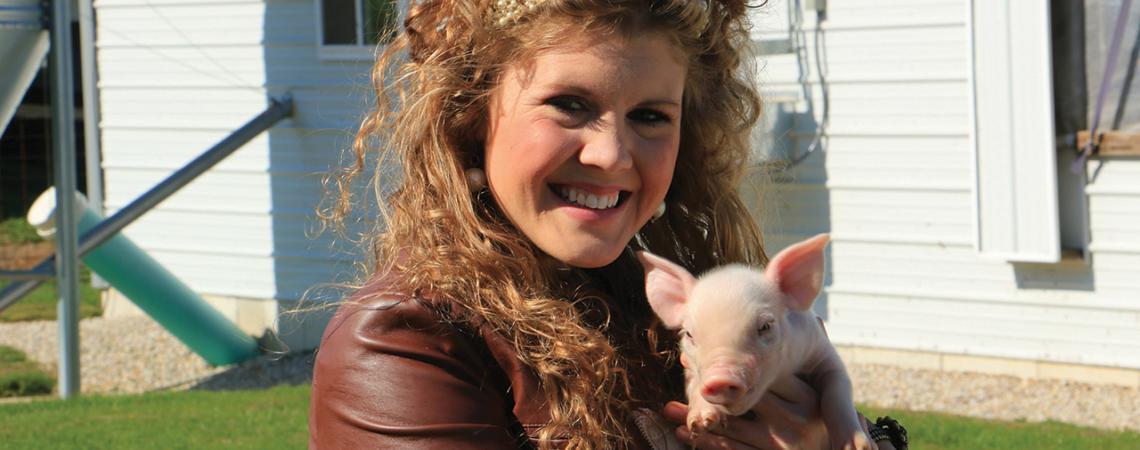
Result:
pixel 394 375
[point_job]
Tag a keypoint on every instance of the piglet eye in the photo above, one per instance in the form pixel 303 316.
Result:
pixel 765 327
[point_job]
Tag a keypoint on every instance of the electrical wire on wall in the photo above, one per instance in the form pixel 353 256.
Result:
pixel 800 47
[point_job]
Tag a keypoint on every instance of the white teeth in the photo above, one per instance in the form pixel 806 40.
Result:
pixel 588 200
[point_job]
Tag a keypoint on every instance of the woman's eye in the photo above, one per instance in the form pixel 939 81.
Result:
pixel 650 116
pixel 569 105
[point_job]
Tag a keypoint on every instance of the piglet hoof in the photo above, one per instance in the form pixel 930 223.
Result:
pixel 705 418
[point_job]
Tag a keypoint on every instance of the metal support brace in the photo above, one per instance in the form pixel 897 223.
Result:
pixel 279 109
pixel 63 154
pixel 46 274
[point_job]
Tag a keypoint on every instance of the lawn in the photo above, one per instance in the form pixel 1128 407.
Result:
pixel 929 431
pixel 276 418
pixel 40 304
pixel 17 230
pixel 20 377
pixel 257 419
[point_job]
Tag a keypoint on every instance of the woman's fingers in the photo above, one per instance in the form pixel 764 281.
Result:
pixel 789 420
pixel 675 412
pixel 714 441
pixel 750 431
pixel 756 433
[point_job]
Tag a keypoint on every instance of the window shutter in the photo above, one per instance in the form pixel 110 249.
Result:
pixel 1013 138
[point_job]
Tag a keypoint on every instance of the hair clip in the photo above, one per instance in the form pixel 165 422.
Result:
pixel 505 12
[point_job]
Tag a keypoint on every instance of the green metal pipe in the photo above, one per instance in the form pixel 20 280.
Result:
pixel 155 290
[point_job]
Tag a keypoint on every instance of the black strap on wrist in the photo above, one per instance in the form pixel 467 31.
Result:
pixel 886 428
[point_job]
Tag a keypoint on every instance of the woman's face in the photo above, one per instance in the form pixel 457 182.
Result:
pixel 582 143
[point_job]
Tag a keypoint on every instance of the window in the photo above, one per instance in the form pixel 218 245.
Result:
pixel 1036 76
pixel 349 28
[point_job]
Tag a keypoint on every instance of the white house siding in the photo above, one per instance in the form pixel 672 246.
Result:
pixel 178 76
pixel 895 190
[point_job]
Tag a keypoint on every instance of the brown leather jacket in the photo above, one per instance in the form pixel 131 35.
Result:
pixel 392 374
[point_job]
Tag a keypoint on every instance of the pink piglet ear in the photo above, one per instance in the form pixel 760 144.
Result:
pixel 667 286
pixel 798 270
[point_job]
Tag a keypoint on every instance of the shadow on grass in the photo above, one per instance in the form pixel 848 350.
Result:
pixel 263 372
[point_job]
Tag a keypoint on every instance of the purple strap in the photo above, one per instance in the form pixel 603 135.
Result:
pixel 1110 66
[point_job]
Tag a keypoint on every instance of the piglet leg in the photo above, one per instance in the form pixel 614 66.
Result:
pixel 703 415
pixel 843 426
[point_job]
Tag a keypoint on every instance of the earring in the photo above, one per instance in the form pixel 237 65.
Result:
pixel 476 179
pixel 660 211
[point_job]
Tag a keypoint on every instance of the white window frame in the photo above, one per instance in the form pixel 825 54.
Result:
pixel 350 52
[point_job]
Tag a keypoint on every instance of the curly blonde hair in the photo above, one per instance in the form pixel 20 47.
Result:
pixel 439 240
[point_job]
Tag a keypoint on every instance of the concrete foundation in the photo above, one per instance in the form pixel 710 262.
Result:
pixel 1025 369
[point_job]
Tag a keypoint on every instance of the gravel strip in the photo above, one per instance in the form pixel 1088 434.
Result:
pixel 135 354
pixel 998 397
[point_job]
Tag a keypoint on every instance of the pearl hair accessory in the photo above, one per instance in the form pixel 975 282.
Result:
pixel 476 179
pixel 505 12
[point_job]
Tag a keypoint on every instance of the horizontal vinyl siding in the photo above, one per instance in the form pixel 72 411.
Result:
pixel 295 151
pixel 225 193
pixel 895 190
pixel 225 109
pixel 1114 208
pixel 958 326
pixel 178 76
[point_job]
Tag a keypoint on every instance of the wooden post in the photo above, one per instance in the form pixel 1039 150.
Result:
pixel 1113 143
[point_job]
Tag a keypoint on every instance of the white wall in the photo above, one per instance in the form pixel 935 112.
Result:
pixel 895 189
pixel 176 77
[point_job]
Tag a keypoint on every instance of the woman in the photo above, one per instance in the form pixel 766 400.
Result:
pixel 540 142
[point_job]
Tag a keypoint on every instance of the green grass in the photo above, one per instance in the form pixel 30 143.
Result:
pixel 18 231
pixel 20 377
pixel 26 382
pixel 262 419
pixel 41 303
pixel 276 418
pixel 9 355
pixel 930 431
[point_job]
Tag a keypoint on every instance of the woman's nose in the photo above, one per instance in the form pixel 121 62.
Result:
pixel 608 148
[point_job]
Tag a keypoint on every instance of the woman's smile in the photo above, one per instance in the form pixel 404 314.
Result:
pixel 584 198
pixel 590 208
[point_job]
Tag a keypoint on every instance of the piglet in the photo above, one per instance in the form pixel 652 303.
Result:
pixel 745 331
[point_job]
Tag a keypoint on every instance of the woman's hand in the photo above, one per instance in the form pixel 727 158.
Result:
pixel 785 418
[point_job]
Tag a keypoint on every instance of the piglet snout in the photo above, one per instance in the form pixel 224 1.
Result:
pixel 722 388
